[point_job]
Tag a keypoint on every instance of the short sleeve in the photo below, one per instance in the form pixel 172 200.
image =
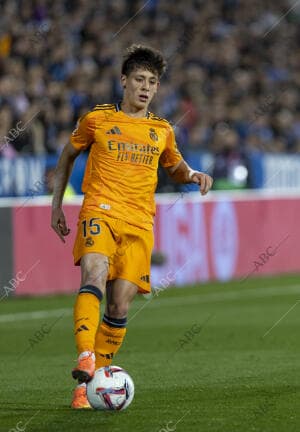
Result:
pixel 171 155
pixel 83 135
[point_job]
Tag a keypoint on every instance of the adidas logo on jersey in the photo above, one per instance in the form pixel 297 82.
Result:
pixel 81 328
pixel 114 131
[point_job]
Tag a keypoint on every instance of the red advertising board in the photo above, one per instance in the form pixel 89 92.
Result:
pixel 227 239
pixel 221 238
pixel 45 261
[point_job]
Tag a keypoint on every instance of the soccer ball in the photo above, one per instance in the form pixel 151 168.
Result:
pixel 111 388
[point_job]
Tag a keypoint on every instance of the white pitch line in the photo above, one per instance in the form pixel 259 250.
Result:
pixel 240 294
pixel 41 314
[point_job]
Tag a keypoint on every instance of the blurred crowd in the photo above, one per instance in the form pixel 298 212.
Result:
pixel 232 85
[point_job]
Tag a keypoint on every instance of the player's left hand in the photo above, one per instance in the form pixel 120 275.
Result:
pixel 203 180
pixel 58 223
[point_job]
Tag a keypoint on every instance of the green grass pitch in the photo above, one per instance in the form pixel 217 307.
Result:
pixel 209 358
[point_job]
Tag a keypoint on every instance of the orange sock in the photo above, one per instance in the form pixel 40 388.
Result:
pixel 86 317
pixel 109 338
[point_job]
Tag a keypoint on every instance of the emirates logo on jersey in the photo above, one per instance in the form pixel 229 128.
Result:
pixel 153 134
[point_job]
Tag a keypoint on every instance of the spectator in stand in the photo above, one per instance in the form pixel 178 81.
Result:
pixel 231 169
pixel 228 60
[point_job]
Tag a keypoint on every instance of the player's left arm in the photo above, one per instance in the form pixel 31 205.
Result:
pixel 183 173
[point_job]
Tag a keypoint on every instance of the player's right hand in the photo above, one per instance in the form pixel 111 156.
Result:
pixel 58 223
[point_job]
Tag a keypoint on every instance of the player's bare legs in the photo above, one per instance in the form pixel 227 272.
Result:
pixel 94 270
pixel 112 330
pixel 120 294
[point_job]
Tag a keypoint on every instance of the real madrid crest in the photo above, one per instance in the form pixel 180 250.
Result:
pixel 153 134
pixel 89 241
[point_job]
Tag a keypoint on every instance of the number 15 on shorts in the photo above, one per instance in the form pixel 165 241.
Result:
pixel 90 227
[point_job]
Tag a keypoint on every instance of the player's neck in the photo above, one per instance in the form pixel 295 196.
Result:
pixel 132 111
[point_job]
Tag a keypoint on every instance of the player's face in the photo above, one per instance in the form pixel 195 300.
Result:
pixel 139 87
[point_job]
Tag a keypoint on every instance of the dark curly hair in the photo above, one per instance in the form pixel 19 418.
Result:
pixel 137 56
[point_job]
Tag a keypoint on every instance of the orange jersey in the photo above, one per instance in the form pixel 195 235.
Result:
pixel 121 172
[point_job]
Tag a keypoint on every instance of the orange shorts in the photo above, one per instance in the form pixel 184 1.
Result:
pixel 127 247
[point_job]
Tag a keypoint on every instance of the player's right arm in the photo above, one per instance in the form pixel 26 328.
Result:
pixel 81 139
pixel 62 174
